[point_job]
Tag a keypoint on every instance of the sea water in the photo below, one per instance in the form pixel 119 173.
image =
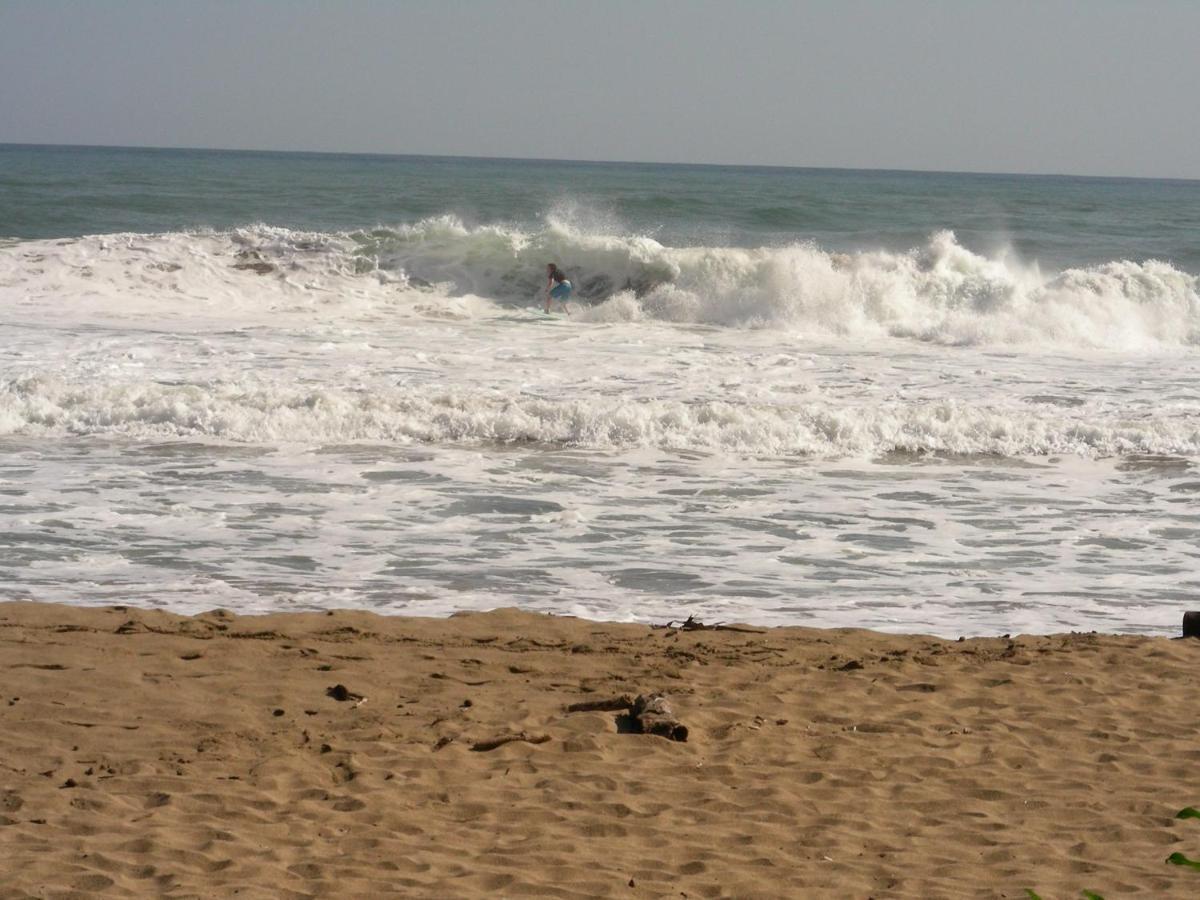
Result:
pixel 947 403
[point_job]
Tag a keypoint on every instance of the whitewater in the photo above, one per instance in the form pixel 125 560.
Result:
pixel 936 437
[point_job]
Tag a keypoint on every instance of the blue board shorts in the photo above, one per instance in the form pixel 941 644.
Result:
pixel 561 291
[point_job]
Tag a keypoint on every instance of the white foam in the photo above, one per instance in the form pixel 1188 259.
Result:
pixel 333 338
pixel 772 434
pixel 938 293
pixel 258 411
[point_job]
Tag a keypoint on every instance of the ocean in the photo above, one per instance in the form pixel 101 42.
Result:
pixel 922 402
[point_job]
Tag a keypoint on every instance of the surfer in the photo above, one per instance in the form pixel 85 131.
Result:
pixel 558 286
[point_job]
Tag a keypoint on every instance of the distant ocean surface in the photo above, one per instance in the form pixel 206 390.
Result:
pixel 949 403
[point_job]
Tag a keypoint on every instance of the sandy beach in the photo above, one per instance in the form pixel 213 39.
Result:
pixel 150 754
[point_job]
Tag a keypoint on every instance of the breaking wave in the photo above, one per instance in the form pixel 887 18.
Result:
pixel 940 293
pixel 256 411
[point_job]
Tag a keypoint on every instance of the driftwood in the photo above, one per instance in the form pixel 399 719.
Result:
pixel 653 715
pixel 691 623
pixel 501 739
pixel 644 714
pixel 609 704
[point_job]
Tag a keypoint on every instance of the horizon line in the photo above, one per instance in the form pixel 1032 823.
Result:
pixel 614 162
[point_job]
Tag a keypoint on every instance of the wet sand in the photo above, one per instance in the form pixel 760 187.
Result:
pixel 149 754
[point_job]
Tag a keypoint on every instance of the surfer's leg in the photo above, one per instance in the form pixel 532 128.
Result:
pixel 560 293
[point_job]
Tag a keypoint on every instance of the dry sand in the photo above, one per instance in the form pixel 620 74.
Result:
pixel 148 754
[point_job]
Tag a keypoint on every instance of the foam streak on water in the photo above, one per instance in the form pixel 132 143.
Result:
pixel 931 440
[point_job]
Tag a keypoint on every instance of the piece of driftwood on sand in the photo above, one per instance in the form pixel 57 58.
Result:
pixel 645 714
pixel 501 739
pixel 691 623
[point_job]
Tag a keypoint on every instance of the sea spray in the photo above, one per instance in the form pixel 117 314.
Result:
pixel 939 293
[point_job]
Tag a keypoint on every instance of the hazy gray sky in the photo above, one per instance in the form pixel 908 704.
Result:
pixel 1087 87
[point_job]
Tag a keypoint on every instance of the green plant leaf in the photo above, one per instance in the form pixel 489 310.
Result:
pixel 1091 895
pixel 1033 895
pixel 1188 812
pixel 1178 859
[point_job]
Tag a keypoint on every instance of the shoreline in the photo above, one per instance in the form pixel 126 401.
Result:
pixel 655 623
pixel 145 751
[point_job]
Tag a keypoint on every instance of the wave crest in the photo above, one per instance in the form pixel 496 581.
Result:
pixel 941 292
pixel 252 411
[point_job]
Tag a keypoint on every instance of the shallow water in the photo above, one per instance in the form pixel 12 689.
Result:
pixel 949 546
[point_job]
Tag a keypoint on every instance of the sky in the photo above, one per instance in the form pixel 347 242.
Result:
pixel 1087 87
